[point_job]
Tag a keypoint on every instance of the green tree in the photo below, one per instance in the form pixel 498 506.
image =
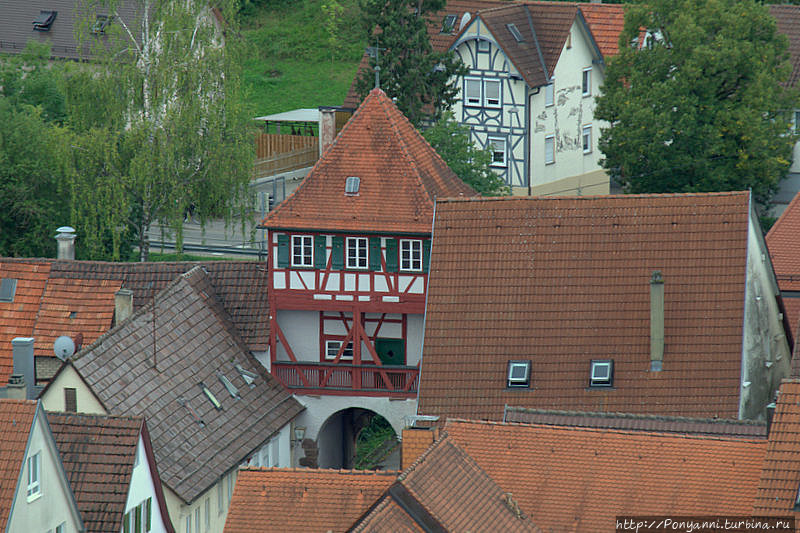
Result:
pixel 158 121
pixel 696 103
pixel 421 80
pixel 451 140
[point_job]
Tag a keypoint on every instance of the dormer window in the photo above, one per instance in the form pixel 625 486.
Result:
pixel 519 374
pixel 352 185
pixel 448 24
pixel 44 20
pixel 8 287
pixel 512 28
pixel 602 373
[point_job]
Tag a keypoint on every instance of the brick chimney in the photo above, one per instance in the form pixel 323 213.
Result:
pixel 327 128
pixel 22 351
pixel 123 305
pixel 66 243
pixel 656 321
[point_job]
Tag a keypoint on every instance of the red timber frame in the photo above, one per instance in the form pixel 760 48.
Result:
pixel 363 378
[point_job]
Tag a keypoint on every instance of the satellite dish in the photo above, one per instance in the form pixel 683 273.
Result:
pixel 64 347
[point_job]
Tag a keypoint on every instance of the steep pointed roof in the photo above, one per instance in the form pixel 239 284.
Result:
pixel 16 419
pixel 400 176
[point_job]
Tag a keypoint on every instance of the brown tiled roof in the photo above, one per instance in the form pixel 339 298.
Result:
pixel 562 281
pixel 787 18
pixel 579 479
pixel 389 516
pixel 400 174
pixel 783 242
pixel 195 342
pixel 415 442
pixel 780 474
pixel 664 424
pixel 98 455
pixel 606 22
pixel 286 500
pixel 446 490
pixel 16 418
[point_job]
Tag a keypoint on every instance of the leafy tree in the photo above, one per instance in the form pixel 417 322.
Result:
pixel 696 103
pixel 421 80
pixel 158 121
pixel 452 141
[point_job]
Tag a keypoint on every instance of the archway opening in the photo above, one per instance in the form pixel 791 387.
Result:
pixel 357 438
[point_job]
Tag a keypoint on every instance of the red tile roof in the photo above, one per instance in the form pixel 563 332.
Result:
pixel 400 174
pixel 780 475
pixel 579 479
pixel 606 22
pixel 98 454
pixel 17 318
pixel 16 418
pixel 783 242
pixel 287 500
pixel 787 18
pixel 562 281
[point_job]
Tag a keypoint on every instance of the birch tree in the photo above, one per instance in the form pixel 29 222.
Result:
pixel 158 119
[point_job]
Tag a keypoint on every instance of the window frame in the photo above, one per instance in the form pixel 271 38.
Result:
pixel 467 99
pixel 406 257
pixel 552 140
pixel 586 82
pixel 550 93
pixel 338 342
pixel 484 45
pixel 586 130
pixel 601 382
pixel 485 99
pixel 34 465
pixel 353 262
pixel 518 383
pixel 304 260
pixel 493 149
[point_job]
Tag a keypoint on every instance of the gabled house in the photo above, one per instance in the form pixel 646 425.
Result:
pixel 649 304
pixel 211 407
pixel 112 472
pixel 783 241
pixel 34 492
pixel 348 270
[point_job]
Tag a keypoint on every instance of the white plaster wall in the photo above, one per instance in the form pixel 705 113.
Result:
pixel 142 487
pixel 414 341
pixel 178 511
pixel 276 452
pixel 54 504
pixel 766 358
pixel 301 329
pixel 53 399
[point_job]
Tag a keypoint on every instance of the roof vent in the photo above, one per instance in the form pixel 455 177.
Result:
pixel 8 287
pixel 352 186
pixel 247 376
pixel 211 397
pixel 44 20
pixel 229 386
pixel 515 32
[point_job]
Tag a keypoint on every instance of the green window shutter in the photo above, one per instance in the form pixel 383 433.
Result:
pixel 426 255
pixel 391 255
pixel 148 514
pixel 337 253
pixel 375 253
pixel 283 251
pixel 320 259
pixel 126 523
pixel 137 516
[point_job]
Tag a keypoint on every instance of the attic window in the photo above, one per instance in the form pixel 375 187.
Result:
pixel 515 32
pixel 602 373
pixel 100 24
pixel 519 374
pixel 73 314
pixel 211 397
pixel 352 185
pixel 247 376
pixel 483 45
pixel 8 287
pixel 44 20
pixel 448 24
pixel 229 386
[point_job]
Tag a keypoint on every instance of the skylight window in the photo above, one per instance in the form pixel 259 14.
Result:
pixel 352 186
pixel 515 32
pixel 448 24
pixel 8 287
pixel 247 376
pixel 602 373
pixel 211 397
pixel 44 20
pixel 100 24
pixel 229 386
pixel 519 374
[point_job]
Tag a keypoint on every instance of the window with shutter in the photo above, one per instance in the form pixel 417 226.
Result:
pixel 426 255
pixel 391 255
pixel 337 253
pixel 320 253
pixel 283 251
pixel 375 254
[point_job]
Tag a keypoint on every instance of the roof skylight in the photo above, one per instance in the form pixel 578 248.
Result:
pixel 211 397
pixel 8 287
pixel 44 20
pixel 519 373
pixel 247 376
pixel 449 23
pixel 100 24
pixel 229 386
pixel 515 32
pixel 602 373
pixel 352 185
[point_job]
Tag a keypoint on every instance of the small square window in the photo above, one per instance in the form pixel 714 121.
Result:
pixel 483 45
pixel 491 91
pixel 519 374
pixel 332 348
pixel 602 373
pixel 549 149
pixel 497 146
pixel 549 94
pixel 356 252
pixel 302 251
pixel 410 255
pixel 8 287
pixel 352 185
pixel 472 91
pixel 587 139
pixel 586 85
pixel 449 23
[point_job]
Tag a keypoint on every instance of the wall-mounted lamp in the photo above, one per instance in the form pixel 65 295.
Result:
pixel 299 435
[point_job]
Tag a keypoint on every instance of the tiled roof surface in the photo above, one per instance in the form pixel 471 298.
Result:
pixel 562 281
pixel 579 479
pixel 449 489
pixel 400 177
pixel 663 424
pixel 388 516
pixel 98 455
pixel 787 18
pixel 286 500
pixel 606 22
pixel 195 342
pixel 780 474
pixel 783 242
pixel 17 318
pixel 72 306
pixel 415 442
pixel 16 417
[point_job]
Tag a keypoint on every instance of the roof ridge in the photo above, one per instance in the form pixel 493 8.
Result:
pixel 589 197
pixel 636 416
pixel 315 471
pixel 782 219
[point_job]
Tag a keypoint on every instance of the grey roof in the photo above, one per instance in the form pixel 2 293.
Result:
pixel 195 342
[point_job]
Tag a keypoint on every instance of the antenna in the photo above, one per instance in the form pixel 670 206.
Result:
pixel 375 51
pixel 64 347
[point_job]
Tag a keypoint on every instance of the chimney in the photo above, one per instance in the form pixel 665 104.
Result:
pixel 22 350
pixel 66 243
pixel 327 128
pixel 770 414
pixel 15 389
pixel 123 305
pixel 656 321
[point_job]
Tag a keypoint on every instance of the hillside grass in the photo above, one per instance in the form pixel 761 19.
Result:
pixel 292 60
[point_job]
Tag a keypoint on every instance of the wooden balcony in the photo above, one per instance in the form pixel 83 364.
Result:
pixel 348 380
pixel 282 153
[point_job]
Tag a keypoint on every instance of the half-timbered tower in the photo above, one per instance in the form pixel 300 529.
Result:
pixel 348 263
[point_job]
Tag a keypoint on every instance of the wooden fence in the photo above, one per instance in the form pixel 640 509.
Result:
pixel 282 153
pixel 271 144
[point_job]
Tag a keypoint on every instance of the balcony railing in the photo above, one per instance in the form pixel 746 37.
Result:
pixel 344 379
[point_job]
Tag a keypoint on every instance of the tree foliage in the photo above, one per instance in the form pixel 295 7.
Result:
pixel 422 81
pixel 452 141
pixel 696 103
pixel 158 122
